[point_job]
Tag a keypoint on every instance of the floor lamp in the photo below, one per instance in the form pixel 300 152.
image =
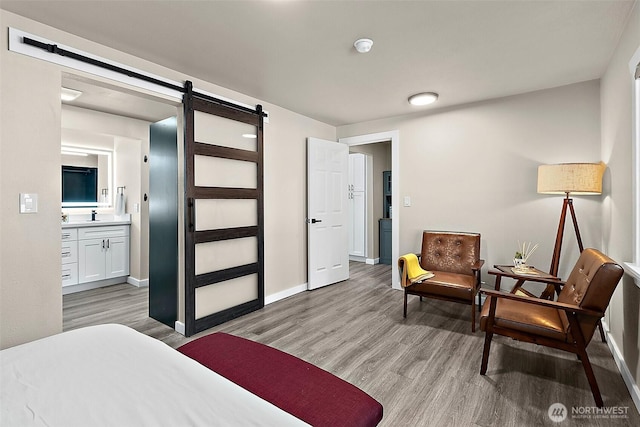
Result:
pixel 583 179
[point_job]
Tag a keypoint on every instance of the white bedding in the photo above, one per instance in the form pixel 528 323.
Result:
pixel 111 375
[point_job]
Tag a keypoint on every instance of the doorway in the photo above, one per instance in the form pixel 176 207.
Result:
pixel 392 139
pixel 371 213
pixel 113 112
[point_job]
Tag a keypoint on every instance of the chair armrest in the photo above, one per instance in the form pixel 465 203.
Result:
pixel 547 280
pixel 402 271
pixel 477 265
pixel 570 308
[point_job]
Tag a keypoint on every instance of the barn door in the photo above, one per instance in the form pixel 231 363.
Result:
pixel 224 224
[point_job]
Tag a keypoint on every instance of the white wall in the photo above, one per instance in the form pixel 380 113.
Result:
pixel 623 316
pixel 31 298
pixel 285 196
pixel 30 270
pixel 128 174
pixel 474 168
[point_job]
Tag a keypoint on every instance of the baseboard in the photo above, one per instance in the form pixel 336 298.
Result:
pixel 634 391
pixel 284 294
pixel 370 261
pixel 179 327
pixel 144 283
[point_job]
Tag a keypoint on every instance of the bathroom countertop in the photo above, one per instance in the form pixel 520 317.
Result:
pixel 97 223
pixel 101 221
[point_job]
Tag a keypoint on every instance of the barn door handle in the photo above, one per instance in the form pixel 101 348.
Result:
pixel 191 214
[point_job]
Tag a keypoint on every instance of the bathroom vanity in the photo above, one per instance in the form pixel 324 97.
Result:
pixel 94 253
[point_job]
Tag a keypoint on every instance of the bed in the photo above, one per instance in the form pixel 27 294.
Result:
pixel 113 375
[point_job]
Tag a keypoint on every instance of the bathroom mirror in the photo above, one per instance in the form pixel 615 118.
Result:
pixel 87 177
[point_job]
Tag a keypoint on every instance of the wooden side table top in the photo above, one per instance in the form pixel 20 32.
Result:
pixel 531 273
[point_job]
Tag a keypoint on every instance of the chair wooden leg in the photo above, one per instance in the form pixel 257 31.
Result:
pixel 473 315
pixel 489 335
pixel 581 352
pixel 602 337
pixel 595 390
pixel 485 352
pixel 405 304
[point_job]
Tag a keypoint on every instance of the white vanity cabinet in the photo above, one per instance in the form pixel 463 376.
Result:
pixel 103 253
pixel 69 256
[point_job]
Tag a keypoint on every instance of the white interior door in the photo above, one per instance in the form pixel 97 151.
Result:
pixel 327 212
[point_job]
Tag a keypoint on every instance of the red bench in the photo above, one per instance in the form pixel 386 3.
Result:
pixel 311 394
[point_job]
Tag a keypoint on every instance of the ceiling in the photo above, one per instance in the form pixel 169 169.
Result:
pixel 299 54
pixel 114 100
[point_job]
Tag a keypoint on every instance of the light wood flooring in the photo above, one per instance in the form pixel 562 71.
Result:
pixel 423 369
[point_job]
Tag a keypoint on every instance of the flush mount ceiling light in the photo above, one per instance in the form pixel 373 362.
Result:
pixel 249 135
pixel 424 98
pixel 69 95
pixel 363 45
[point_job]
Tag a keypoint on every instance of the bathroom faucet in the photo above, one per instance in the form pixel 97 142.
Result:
pixel 93 215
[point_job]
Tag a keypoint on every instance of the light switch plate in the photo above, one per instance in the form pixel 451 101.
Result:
pixel 407 201
pixel 28 203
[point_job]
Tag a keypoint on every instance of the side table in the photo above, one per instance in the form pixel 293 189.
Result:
pixel 531 275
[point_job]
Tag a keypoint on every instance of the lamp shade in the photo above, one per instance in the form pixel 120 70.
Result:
pixel 575 178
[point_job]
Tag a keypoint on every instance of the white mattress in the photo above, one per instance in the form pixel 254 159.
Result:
pixel 111 375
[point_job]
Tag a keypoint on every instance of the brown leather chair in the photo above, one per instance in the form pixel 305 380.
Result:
pixel 454 259
pixel 567 324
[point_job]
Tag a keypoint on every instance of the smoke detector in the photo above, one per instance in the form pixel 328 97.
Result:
pixel 363 45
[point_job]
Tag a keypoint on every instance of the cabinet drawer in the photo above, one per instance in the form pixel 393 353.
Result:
pixel 69 252
pixel 70 274
pixel 69 234
pixel 103 232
